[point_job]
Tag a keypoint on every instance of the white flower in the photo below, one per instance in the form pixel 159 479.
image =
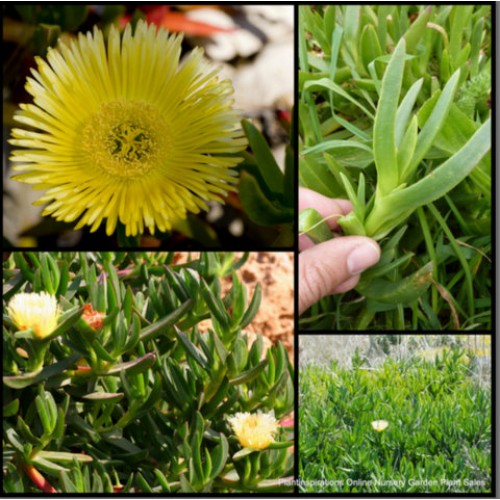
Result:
pixel 380 425
pixel 255 431
pixel 38 311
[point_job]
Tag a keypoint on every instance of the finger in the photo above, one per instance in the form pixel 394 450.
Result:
pixel 329 265
pixel 328 208
pixel 347 285
pixel 305 242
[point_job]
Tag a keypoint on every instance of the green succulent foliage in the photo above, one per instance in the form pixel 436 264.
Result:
pixel 67 17
pixel 141 404
pixel 46 24
pixel 438 438
pixel 394 115
pixel 267 194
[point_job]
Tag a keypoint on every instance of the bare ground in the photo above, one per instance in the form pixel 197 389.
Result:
pixel 274 271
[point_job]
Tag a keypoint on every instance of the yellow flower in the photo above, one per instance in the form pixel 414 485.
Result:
pixel 380 425
pixel 38 311
pixel 127 132
pixel 255 431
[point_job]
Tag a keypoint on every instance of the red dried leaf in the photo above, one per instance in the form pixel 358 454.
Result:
pixel 161 15
pixel 92 318
pixel 123 20
pixel 284 115
pixel 179 22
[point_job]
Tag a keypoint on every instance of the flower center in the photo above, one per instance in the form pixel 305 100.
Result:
pixel 253 422
pixel 129 142
pixel 125 138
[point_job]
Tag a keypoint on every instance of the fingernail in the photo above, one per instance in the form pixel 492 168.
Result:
pixel 362 258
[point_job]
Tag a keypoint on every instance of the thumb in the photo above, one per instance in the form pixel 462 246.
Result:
pixel 325 267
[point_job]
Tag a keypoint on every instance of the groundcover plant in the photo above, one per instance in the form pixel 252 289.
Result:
pixel 126 372
pixel 394 115
pixel 414 424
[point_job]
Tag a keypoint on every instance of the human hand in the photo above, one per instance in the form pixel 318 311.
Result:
pixel 335 265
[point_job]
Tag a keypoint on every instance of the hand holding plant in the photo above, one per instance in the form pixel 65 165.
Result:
pixel 381 123
pixel 333 266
